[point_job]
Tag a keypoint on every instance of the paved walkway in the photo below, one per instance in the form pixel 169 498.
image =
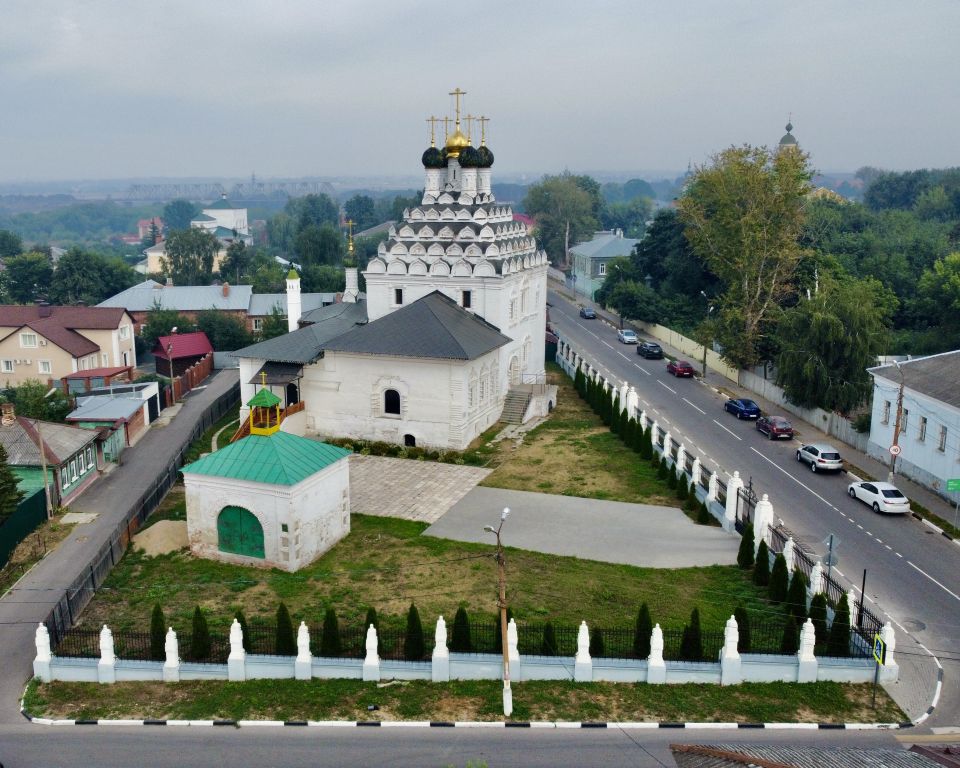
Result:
pixel 611 531
pixel 411 490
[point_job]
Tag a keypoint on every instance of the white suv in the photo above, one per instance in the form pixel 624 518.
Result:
pixel 821 457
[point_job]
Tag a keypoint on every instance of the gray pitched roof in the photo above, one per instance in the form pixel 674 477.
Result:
pixel 306 345
pixel 263 303
pixel 433 327
pixel 105 408
pixel 935 376
pixel 605 245
pixel 184 298
pixel 21 441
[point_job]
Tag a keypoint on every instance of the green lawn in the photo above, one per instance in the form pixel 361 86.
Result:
pixel 461 700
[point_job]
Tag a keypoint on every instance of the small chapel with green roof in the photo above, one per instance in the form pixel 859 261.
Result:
pixel 270 499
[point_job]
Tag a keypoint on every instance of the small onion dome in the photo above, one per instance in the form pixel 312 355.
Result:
pixel 788 137
pixel 456 143
pixel 485 155
pixel 469 157
pixel 433 158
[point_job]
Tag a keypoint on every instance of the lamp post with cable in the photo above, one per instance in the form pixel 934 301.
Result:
pixel 709 312
pixel 502 604
pixel 173 385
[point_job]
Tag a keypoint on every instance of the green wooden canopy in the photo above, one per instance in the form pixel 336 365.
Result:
pixel 264 399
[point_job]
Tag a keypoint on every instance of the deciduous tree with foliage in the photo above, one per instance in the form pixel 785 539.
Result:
pixel 30 399
pixel 160 322
pixel 566 209
pixel 236 263
pixel 743 215
pixel 274 324
pixel 177 215
pixel 360 209
pixel 28 276
pixel 82 276
pixel 11 244
pixel 226 331
pixel 189 256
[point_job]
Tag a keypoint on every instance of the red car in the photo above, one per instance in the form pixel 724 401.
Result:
pixel 775 427
pixel 680 368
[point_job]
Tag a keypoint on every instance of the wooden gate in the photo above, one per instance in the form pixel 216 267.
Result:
pixel 239 532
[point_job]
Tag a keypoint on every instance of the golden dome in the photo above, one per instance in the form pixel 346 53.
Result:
pixel 456 142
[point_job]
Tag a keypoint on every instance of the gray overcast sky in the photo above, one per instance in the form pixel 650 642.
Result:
pixel 125 88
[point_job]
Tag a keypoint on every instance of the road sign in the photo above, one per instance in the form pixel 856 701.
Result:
pixel 953 486
pixel 895 450
pixel 832 542
pixel 879 650
pixel 831 559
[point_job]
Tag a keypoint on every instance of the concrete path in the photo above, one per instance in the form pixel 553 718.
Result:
pixel 408 489
pixel 611 531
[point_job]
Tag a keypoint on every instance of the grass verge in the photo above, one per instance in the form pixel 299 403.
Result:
pixel 32 550
pixel 462 700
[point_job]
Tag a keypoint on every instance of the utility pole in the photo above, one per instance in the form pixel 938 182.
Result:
pixel 502 604
pixel 895 447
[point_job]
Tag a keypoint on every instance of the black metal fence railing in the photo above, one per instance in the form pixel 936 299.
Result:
pixel 721 491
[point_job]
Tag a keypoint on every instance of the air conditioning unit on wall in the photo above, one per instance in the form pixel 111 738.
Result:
pixel 43 342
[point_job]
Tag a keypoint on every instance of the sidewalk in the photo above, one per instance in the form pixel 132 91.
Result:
pixel 32 598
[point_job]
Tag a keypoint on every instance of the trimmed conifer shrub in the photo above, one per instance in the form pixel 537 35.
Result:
pixel 761 568
pixel 662 470
pixel 671 479
pixel 624 425
pixel 199 636
pixel 683 492
pixel 691 503
pixel 646 444
pixel 838 643
pixel 242 621
pixel 797 597
pixel 158 634
pixel 597 648
pixel 10 493
pixel 703 514
pixel 779 580
pixel 818 615
pixel 330 645
pixel 642 632
pixel 747 544
pixel 286 644
pixel 460 639
pixel 549 645
pixel 691 646
pixel 578 380
pixel 743 625
pixel 371 618
pixel 615 416
pixel 790 641
pixel 413 646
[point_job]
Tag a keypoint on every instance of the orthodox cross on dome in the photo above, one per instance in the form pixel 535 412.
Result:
pixel 433 123
pixel 469 120
pixel 263 378
pixel 349 223
pixel 457 93
pixel 446 128
pixel 483 129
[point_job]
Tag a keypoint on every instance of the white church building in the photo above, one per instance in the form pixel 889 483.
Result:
pixel 452 325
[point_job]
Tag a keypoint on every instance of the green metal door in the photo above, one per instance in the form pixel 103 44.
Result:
pixel 239 532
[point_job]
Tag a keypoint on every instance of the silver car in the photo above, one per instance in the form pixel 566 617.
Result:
pixel 883 497
pixel 820 457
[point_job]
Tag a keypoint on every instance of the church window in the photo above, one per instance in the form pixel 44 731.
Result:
pixel 466 299
pixel 391 402
pixel 398 296
pixel 513 310
pixel 473 395
pixel 483 390
pixel 523 300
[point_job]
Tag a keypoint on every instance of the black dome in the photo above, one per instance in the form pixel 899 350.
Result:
pixel 433 158
pixel 485 155
pixel 469 158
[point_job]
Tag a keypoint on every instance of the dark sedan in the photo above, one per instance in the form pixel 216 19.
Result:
pixel 588 313
pixel 775 427
pixel 742 408
pixel 650 350
pixel 680 368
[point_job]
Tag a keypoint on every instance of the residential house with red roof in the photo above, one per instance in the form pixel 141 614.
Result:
pixel 183 349
pixel 49 342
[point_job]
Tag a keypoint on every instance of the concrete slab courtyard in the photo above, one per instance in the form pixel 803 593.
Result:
pixel 611 531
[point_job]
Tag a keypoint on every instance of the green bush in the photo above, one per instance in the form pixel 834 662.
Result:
pixel 790 641
pixel 839 642
pixel 615 415
pixel 818 616
pixel 596 644
pixel 549 645
pixel 414 647
pixel 624 429
pixel 683 491
pixel 460 640
pixel 158 634
pixel 646 445
pixel 761 568
pixel 797 597
pixel 691 645
pixel 662 470
pixel 743 625
pixel 286 644
pixel 642 632
pixel 691 503
pixel 747 545
pixel 779 580
pixel 199 637
pixel 242 621
pixel 703 515
pixel 671 479
pixel 330 645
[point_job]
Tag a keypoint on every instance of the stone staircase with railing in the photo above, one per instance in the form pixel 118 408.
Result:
pixel 514 406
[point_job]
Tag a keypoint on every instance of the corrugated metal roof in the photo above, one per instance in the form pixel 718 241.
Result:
pixel 143 296
pixel 105 408
pixel 935 376
pixel 184 345
pixel 605 246
pixel 21 442
pixel 85 318
pixel 277 459
pixel 262 304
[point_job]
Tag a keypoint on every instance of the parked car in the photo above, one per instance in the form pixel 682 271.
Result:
pixel 742 408
pixel 821 457
pixel 775 427
pixel 883 497
pixel 650 350
pixel 627 336
pixel 680 368
pixel 588 313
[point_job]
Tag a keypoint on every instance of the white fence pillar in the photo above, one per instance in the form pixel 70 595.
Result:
pixel 656 666
pixel 624 392
pixel 654 429
pixel 303 666
pixel 816 581
pixel 633 403
pixel 371 662
pixel 583 664
pixel 712 487
pixel 695 470
pixel 890 671
pixel 41 663
pixel 441 656
pixel 237 660
pixel 806 661
pixel 107 667
pixel 513 651
pixel 734 484
pixel 642 421
pixel 788 554
pixel 667 443
pixel 681 458
pixel 763 522
pixel 730 670
pixel 171 649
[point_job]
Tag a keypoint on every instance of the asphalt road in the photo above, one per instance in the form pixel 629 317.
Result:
pixel 150 747
pixel 912 573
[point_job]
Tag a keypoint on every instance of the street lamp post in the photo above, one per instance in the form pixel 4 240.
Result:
pixel 709 311
pixel 43 461
pixel 502 604
pixel 173 385
pixel 619 311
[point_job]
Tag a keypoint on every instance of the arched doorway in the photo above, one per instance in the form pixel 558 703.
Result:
pixel 239 532
pixel 293 394
pixel 514 371
pixel 409 441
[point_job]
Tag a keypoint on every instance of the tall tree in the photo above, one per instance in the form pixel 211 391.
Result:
pixel 177 215
pixel 10 244
pixel 566 213
pixel 30 399
pixel 313 209
pixel 82 276
pixel 316 245
pixel 274 324
pixel 237 261
pixel 226 331
pixel 323 279
pixel 360 210
pixel 28 276
pixel 160 322
pixel 10 493
pixel 189 257
pixel 743 216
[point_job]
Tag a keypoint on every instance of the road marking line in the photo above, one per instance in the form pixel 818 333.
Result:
pixel 802 485
pixel 637 365
pixel 727 430
pixel 623 355
pixel 898 554
pixel 859 526
pixel 945 589
pixel 666 387
pixel 693 406
pixel 888 547
pixel 607 345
